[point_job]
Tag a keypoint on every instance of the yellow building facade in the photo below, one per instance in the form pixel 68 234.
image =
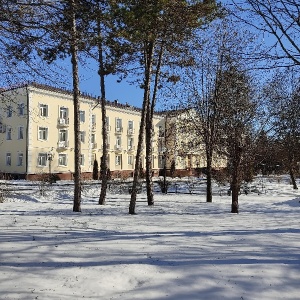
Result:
pixel 37 133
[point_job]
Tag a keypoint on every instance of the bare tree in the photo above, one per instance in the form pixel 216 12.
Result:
pixel 199 91
pixel 283 94
pixel 277 18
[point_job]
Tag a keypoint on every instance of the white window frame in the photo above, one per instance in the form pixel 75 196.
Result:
pixel 130 160
pixel 130 143
pixel 9 111
pixel 42 159
pixel 43 133
pixel 63 112
pixel 118 142
pixel 118 160
pixel 21 133
pixel 62 159
pixel 94 119
pixel 81 159
pixel 21 109
pixel 63 135
pixel 20 159
pixel 82 116
pixel 8 133
pixel 118 124
pixel 44 110
pixel 130 125
pixel 82 136
pixel 8 159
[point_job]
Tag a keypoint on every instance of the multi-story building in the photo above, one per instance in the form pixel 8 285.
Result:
pixel 37 135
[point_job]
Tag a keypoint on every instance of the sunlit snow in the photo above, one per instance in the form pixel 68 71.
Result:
pixel 181 248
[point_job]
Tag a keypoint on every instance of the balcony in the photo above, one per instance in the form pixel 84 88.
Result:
pixel 63 144
pixel 63 122
pixel 130 148
pixel 118 130
pixel 94 146
pixel 130 131
pixel 94 127
pixel 118 147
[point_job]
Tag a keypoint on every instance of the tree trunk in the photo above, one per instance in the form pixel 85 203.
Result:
pixel 293 180
pixel 104 174
pixel 74 58
pixel 234 195
pixel 148 69
pixel 235 182
pixel 149 131
pixel 149 182
pixel 209 176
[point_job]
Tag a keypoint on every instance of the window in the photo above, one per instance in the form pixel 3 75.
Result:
pixel 9 112
pixel 21 133
pixel 118 125
pixel 118 160
pixel 161 132
pixel 81 159
pixel 130 124
pixel 93 138
pixel 63 135
pixel 118 142
pixel 20 159
pixel 130 143
pixel 82 116
pixel 82 136
pixel 8 159
pixel 8 133
pixel 21 109
pixel 107 124
pixel 62 159
pixel 63 113
pixel 43 133
pixel 130 159
pixel 43 110
pixel 42 159
pixel 93 120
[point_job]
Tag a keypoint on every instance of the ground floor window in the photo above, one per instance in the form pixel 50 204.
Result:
pixel 8 159
pixel 130 159
pixel 81 159
pixel 118 160
pixel 42 159
pixel 62 159
pixel 20 159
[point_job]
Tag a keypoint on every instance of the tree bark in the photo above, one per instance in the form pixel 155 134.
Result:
pixel 76 102
pixel 149 182
pixel 149 46
pixel 104 174
pixel 209 175
pixel 293 180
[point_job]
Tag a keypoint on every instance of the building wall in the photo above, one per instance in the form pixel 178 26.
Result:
pixel 47 142
pixel 13 116
pixel 50 139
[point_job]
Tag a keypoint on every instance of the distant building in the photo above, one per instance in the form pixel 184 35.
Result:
pixel 37 136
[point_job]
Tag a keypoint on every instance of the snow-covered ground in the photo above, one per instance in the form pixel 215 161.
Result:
pixel 182 248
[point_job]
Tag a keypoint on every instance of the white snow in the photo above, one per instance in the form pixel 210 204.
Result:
pixel 181 248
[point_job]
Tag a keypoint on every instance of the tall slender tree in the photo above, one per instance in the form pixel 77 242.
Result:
pixel 155 28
